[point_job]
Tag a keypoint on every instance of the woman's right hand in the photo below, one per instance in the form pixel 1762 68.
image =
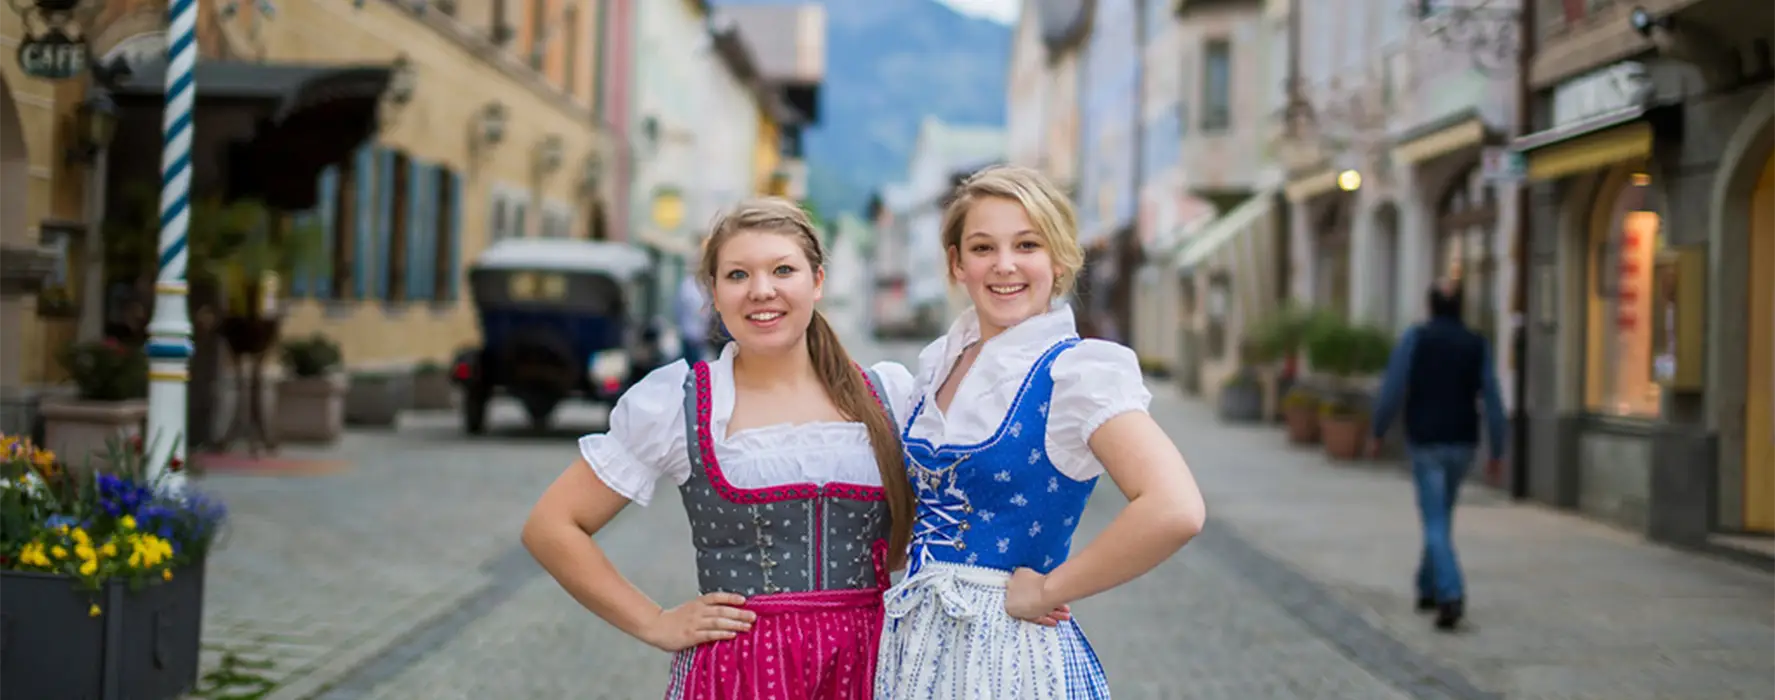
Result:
pixel 710 617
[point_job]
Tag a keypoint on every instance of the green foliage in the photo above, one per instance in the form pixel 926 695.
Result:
pixel 230 243
pixel 106 370
pixel 1285 332
pixel 313 356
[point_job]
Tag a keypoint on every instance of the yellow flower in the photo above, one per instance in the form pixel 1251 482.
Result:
pixel 59 551
pixel 32 555
pixel 94 611
pixel 109 550
pixel 61 530
pixel 127 522
pixel 89 568
pixel 80 537
pixel 84 551
pixel 43 459
pixel 166 574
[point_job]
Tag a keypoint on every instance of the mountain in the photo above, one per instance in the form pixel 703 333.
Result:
pixel 888 64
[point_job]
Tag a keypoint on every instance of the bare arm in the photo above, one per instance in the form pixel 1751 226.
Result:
pixel 1164 511
pixel 559 534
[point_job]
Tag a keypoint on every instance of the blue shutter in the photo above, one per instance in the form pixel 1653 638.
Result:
pixel 364 238
pixel 419 226
pixel 384 220
pixel 321 273
pixel 455 214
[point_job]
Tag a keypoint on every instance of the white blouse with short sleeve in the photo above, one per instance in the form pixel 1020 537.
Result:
pixel 1094 381
pixel 647 440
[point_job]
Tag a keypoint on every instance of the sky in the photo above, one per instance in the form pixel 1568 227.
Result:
pixel 1001 11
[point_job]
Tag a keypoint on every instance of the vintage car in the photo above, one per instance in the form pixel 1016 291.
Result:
pixel 560 319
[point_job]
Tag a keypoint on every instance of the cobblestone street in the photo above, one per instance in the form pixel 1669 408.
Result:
pixel 401 578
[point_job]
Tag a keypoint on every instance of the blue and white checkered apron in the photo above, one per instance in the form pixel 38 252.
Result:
pixel 948 636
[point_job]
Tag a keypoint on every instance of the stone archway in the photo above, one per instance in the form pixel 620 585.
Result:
pixel 15 173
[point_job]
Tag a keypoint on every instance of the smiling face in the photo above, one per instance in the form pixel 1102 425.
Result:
pixel 1004 263
pixel 765 289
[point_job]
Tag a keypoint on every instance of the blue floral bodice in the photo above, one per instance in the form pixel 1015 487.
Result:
pixel 1001 503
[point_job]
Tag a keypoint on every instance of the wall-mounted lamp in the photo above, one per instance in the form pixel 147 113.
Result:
pixel 403 79
pixel 1349 181
pixel 591 172
pixel 96 124
pixel 549 154
pixel 489 125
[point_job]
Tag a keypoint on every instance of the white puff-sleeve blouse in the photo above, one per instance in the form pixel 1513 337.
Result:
pixel 1094 381
pixel 646 439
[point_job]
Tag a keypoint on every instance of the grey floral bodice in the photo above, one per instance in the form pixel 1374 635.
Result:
pixel 781 539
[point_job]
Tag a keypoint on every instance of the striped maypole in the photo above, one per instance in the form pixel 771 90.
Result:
pixel 169 332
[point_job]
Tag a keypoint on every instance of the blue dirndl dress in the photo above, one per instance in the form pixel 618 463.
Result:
pixel 985 510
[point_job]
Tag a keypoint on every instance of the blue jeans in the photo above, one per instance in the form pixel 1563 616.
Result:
pixel 1438 471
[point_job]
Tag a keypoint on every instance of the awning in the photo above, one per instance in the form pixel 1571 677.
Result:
pixel 1605 140
pixel 1216 235
pixel 305 117
pixel 1311 186
pixel 1467 132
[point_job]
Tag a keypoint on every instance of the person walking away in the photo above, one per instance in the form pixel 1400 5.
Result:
pixel 1440 373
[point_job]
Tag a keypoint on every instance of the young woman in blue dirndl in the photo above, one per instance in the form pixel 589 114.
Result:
pixel 1017 418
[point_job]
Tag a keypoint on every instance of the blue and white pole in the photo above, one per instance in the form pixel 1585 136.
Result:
pixel 169 332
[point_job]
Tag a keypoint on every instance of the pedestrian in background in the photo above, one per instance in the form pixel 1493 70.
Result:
pixel 1016 420
pixel 692 312
pixel 788 459
pixel 1440 373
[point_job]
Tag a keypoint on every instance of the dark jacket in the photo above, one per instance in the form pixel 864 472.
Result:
pixel 1441 372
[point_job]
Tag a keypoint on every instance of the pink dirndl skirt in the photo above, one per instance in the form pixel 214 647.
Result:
pixel 803 646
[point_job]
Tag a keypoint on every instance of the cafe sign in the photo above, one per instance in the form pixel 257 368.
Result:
pixel 53 55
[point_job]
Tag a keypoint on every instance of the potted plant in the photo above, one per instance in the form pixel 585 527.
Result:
pixel 311 396
pixel 376 397
pixel 1276 342
pixel 101 576
pixel 432 390
pixel 1347 352
pixel 110 404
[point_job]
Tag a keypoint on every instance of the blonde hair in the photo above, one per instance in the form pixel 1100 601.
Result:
pixel 1047 208
pixel 842 378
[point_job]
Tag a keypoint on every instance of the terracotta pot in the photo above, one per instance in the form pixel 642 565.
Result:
pixel 81 431
pixel 1344 435
pixel 1303 423
pixel 310 409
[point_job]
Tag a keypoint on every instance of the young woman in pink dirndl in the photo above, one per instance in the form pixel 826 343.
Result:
pixel 778 448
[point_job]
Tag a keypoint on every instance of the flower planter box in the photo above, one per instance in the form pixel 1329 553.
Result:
pixel 432 391
pixel 142 646
pixel 79 430
pixel 376 400
pixel 310 409
pixel 1303 422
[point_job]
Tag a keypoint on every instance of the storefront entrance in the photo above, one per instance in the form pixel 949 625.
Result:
pixel 1759 413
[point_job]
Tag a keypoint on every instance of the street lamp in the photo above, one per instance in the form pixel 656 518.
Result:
pixel 1349 181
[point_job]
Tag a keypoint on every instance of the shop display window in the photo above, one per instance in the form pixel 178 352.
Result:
pixel 1622 253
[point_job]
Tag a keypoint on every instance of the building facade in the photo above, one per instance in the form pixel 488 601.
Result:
pixel 941 154
pixel 1223 259
pixel 1652 172
pixel 1108 178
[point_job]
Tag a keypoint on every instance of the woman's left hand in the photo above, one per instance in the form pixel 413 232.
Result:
pixel 1025 599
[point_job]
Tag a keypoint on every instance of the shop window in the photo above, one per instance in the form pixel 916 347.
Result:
pixel 1623 242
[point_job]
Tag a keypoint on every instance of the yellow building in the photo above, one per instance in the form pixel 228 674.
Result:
pixel 411 135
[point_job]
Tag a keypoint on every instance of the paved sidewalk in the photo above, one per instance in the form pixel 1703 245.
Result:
pixel 1559 606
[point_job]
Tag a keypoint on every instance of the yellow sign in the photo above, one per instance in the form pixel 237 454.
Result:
pixel 668 209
